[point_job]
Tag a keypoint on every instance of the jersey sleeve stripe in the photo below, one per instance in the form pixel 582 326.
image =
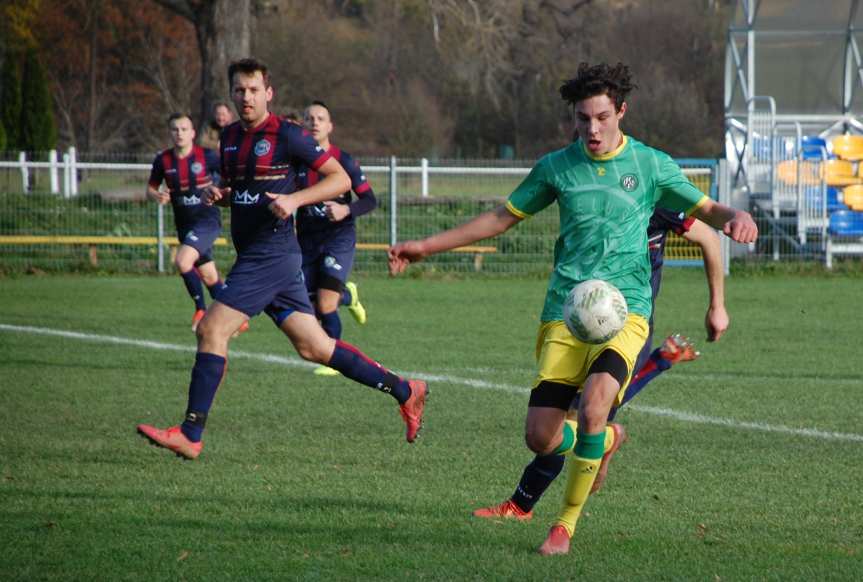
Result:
pixel 362 188
pixel 697 205
pixel 515 211
pixel 322 159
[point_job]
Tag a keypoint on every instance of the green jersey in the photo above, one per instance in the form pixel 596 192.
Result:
pixel 605 206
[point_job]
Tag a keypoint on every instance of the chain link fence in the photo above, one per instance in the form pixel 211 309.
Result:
pixel 108 224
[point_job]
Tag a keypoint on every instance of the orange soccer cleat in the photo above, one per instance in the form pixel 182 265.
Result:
pixel 196 319
pixel 557 542
pixel 506 510
pixel 172 439
pixel 412 409
pixel 678 348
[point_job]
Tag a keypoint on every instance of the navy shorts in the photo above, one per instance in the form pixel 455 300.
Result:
pixel 201 238
pixel 272 284
pixel 328 256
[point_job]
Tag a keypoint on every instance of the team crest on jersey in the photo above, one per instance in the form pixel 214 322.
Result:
pixel 197 168
pixel 600 171
pixel 262 148
pixel 629 182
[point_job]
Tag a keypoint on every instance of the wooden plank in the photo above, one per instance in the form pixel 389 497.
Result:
pixel 151 240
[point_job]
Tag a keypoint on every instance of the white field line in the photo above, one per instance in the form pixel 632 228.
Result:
pixel 447 379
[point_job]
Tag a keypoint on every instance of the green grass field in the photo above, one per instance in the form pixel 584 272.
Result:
pixel 744 465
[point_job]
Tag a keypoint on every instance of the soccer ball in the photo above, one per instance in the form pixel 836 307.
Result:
pixel 594 311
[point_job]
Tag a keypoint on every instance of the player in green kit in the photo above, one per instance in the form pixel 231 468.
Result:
pixel 606 185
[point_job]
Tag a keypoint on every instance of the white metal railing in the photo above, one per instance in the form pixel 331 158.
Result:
pixel 69 166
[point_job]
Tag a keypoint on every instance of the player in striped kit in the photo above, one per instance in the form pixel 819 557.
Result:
pixel 260 157
pixel 328 235
pixel 188 170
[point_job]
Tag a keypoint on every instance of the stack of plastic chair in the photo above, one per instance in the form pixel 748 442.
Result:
pixel 846 223
pixel 833 201
pixel 852 196
pixel 839 173
pixel 848 147
pixel 814 148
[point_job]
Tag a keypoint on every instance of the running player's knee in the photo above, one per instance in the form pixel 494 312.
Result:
pixel 311 352
pixel 184 263
pixel 538 441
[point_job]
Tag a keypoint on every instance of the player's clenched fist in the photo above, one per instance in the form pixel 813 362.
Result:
pixel 741 228
pixel 214 195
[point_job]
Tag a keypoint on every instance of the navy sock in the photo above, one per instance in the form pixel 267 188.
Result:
pixel 332 324
pixel 206 377
pixel 195 288
pixel 535 479
pixel 215 288
pixel 355 365
pixel 653 367
pixel 346 297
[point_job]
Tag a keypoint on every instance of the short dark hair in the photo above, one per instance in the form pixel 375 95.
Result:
pixel 320 103
pixel 248 66
pixel 217 104
pixel 603 79
pixel 180 115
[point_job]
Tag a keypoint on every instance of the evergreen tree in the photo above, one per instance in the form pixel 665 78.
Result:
pixel 38 129
pixel 10 100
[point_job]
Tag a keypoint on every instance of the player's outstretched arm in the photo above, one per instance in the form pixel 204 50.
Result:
pixel 716 321
pixel 486 225
pixel 737 224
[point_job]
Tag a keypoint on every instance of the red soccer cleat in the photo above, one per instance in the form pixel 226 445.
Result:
pixel 678 348
pixel 196 319
pixel 506 510
pixel 412 409
pixel 172 439
pixel 619 438
pixel 242 329
pixel 556 543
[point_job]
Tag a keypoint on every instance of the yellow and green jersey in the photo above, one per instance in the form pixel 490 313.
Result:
pixel 605 207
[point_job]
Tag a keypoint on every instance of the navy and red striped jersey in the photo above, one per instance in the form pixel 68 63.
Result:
pixel 260 160
pixel 313 218
pixel 661 223
pixel 186 178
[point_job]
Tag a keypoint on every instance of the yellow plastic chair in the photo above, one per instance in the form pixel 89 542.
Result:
pixel 848 147
pixel 786 171
pixel 852 196
pixel 839 173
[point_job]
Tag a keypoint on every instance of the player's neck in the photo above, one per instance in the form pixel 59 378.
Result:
pixel 258 123
pixel 325 144
pixel 182 152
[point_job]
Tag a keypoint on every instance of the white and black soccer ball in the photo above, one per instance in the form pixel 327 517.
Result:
pixel 595 311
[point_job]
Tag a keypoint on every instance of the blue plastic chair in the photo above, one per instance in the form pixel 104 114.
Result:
pixel 846 223
pixel 813 147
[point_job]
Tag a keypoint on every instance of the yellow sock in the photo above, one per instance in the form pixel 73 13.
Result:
pixel 609 438
pixel 582 473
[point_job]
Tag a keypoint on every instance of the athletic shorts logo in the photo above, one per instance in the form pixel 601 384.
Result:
pixel 330 263
pixel 191 200
pixel 262 148
pixel 197 168
pixel 246 199
pixel 629 182
pixel 192 236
